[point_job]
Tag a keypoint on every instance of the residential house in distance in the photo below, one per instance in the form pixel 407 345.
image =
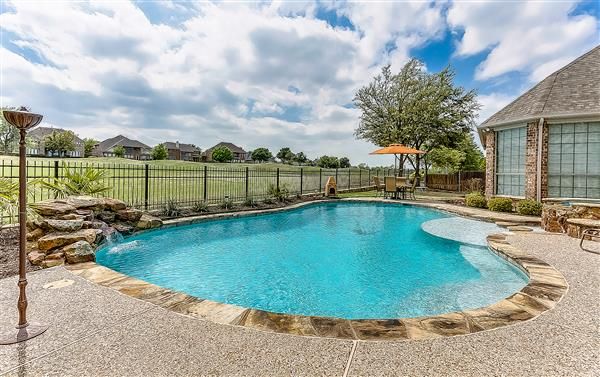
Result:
pixel 182 152
pixel 36 143
pixel 135 150
pixel 239 155
pixel 546 143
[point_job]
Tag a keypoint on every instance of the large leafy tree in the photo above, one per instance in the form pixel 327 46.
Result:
pixel 222 154
pixel 416 108
pixel 329 162
pixel 261 154
pixel 159 152
pixel 88 146
pixel 119 151
pixel 344 162
pixel 285 155
pixel 300 158
pixel 60 142
pixel 9 135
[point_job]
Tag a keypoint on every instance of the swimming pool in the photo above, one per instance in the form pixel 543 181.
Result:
pixel 337 259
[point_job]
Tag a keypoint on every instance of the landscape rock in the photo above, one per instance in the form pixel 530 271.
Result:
pixel 123 228
pixel 47 263
pixel 106 216
pixel 148 222
pixel 56 255
pixel 79 252
pixel 71 216
pixel 88 202
pixel 54 240
pixel 35 257
pixel 35 234
pixel 52 207
pixel 65 225
pixel 114 204
pixel 130 214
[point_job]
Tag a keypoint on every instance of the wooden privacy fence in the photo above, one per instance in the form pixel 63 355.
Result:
pixel 454 181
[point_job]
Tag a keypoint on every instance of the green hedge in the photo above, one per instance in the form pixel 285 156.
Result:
pixel 476 199
pixel 500 204
pixel 529 207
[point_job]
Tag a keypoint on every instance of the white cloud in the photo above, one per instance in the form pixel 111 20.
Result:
pixel 533 37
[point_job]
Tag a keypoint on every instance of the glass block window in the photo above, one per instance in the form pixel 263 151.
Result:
pixel 574 160
pixel 510 161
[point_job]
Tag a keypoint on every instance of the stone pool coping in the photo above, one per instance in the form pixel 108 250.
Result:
pixel 545 289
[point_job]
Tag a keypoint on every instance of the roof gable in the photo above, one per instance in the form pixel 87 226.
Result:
pixel 572 90
pixel 232 147
pixel 122 141
pixel 42 132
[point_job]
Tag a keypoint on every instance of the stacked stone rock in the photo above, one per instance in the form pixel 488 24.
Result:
pixel 69 230
pixel 571 219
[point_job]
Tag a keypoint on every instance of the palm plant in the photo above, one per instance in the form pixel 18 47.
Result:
pixel 9 201
pixel 86 181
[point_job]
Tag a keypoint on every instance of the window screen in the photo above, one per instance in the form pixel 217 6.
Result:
pixel 510 161
pixel 574 160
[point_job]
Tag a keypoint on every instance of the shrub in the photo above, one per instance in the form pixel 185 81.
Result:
pixel 250 202
pixel 280 193
pixel 500 204
pixel 529 207
pixel 171 209
pixel 473 185
pixel 476 199
pixel 227 204
pixel 200 207
pixel 86 181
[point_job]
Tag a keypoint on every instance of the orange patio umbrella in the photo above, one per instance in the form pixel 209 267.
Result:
pixel 397 149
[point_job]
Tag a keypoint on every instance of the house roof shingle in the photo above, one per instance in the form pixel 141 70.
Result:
pixel 42 132
pixel 572 90
pixel 182 147
pixel 232 147
pixel 121 140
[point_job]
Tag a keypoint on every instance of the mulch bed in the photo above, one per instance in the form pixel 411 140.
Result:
pixel 9 253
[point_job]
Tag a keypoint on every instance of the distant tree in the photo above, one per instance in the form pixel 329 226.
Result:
pixel 344 162
pixel 60 142
pixel 261 154
pixel 300 158
pixel 449 160
pixel 328 162
pixel 362 165
pixel 285 155
pixel 222 154
pixel 159 152
pixel 9 134
pixel 88 146
pixel 119 151
pixel 474 158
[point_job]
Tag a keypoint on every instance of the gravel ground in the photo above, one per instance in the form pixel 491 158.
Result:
pixel 9 253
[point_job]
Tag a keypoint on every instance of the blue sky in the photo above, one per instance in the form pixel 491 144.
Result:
pixel 270 74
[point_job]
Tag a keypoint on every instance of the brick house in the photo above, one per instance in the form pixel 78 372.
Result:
pixel 135 150
pixel 181 151
pixel 239 155
pixel 546 143
pixel 36 143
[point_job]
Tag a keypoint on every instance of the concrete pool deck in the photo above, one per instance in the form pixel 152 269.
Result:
pixel 98 331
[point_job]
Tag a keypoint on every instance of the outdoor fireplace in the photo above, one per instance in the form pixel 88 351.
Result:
pixel 330 187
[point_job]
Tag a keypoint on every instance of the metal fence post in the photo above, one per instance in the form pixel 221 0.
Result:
pixel 359 178
pixel 336 175
pixel 278 179
pixel 320 178
pixel 145 187
pixel 369 181
pixel 301 179
pixel 349 178
pixel 205 183
pixel 55 169
pixel 246 183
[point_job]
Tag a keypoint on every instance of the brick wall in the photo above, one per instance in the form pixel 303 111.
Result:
pixel 531 152
pixel 490 163
pixel 545 160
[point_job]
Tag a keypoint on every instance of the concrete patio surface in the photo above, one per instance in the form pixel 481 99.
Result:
pixel 96 331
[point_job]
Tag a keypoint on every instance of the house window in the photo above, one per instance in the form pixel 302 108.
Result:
pixel 574 160
pixel 510 161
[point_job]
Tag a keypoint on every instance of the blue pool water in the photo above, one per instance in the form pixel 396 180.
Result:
pixel 348 260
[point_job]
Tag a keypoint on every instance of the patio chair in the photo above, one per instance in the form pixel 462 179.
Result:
pixel 390 187
pixel 410 190
pixel 591 234
pixel 379 187
pixel 401 185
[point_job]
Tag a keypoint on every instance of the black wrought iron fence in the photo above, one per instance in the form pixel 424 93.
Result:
pixel 151 186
